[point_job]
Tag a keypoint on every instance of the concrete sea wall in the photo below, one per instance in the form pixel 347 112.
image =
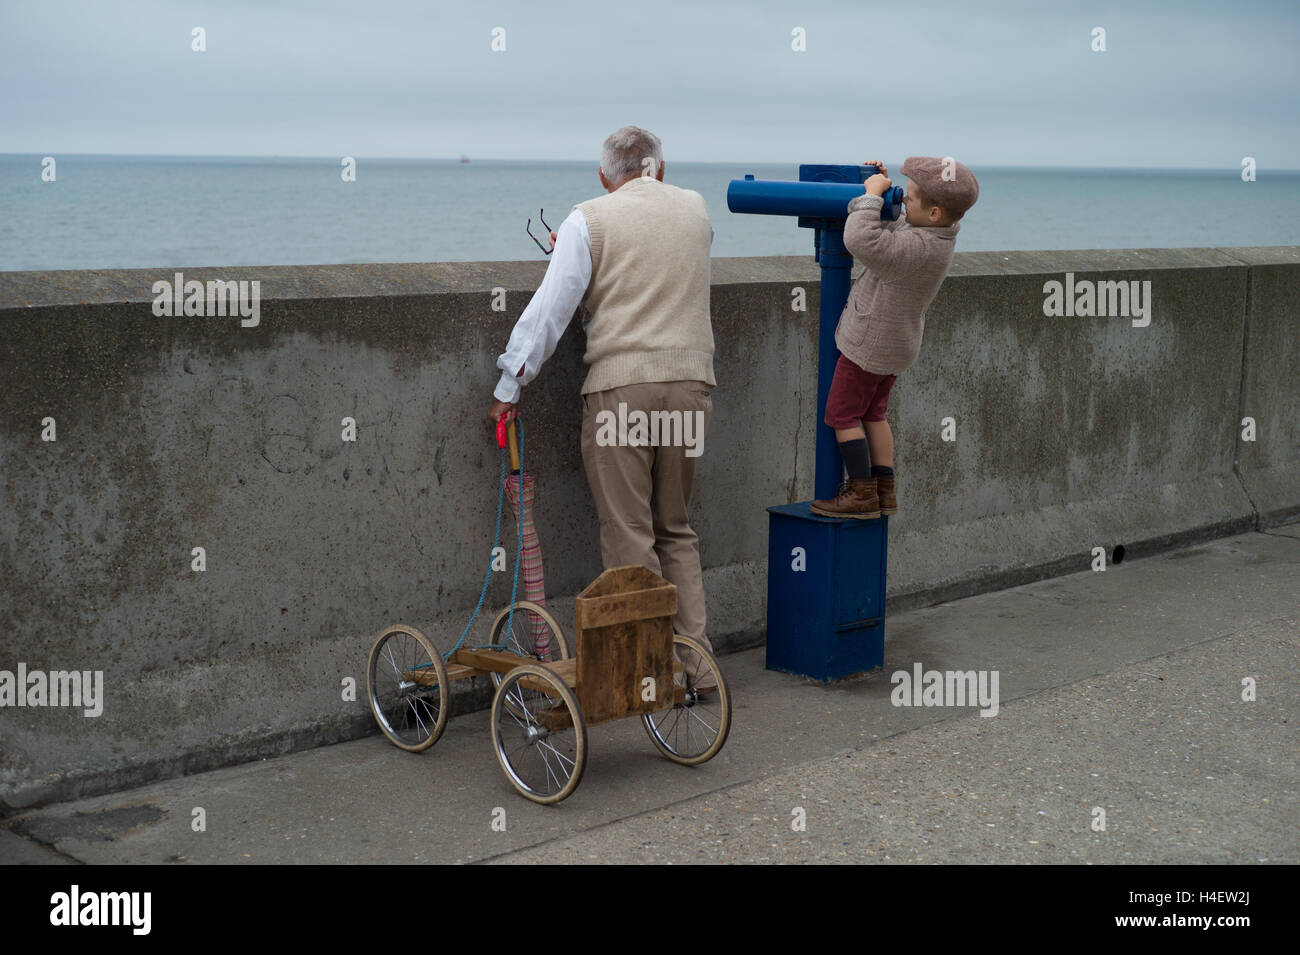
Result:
pixel 1066 434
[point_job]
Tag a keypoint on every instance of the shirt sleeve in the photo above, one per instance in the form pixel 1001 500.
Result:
pixel 889 253
pixel 896 224
pixel 549 311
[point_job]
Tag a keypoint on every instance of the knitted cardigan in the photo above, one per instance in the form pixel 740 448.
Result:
pixel 882 323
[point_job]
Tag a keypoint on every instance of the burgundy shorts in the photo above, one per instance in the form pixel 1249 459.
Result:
pixel 856 395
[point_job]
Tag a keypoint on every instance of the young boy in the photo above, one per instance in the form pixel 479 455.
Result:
pixel 879 334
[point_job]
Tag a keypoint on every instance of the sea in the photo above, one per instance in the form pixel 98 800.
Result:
pixel 180 211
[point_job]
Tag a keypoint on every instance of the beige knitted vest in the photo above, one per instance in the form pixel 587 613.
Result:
pixel 648 300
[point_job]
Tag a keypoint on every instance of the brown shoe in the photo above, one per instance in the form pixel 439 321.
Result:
pixel 702 683
pixel 856 498
pixel 885 491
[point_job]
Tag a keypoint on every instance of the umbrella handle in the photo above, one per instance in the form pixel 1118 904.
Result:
pixel 514 447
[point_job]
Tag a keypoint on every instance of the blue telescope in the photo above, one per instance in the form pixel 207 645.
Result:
pixel 826 198
pixel 825 576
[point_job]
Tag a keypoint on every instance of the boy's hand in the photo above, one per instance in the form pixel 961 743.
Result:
pixel 878 164
pixel 877 184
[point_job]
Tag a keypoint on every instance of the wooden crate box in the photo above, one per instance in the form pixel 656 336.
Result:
pixel 625 635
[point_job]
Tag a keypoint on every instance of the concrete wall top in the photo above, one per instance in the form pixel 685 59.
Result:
pixel 114 286
pixel 286 283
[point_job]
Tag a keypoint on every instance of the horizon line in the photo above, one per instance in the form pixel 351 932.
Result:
pixel 492 159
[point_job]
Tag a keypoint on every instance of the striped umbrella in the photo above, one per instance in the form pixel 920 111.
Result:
pixel 521 491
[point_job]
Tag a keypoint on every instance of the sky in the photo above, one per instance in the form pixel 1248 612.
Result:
pixel 1182 83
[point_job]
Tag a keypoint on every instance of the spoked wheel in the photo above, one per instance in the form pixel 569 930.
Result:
pixel 538 733
pixel 694 730
pixel 534 634
pixel 406 681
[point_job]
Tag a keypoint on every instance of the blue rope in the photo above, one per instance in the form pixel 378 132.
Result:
pixel 496 539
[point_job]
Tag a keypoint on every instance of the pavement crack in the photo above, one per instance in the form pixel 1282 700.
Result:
pixel 798 427
pixel 19 830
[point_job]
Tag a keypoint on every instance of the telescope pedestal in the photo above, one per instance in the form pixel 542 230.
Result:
pixel 825 593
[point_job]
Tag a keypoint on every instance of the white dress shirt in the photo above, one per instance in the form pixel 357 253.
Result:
pixel 546 317
pixel 551 309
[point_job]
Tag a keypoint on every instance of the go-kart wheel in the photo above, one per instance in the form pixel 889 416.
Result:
pixel 694 730
pixel 534 634
pixel 538 734
pixel 406 682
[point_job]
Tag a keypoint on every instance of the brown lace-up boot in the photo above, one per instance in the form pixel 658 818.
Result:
pixel 885 491
pixel 856 498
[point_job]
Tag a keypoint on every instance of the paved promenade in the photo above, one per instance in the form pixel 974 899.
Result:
pixel 1119 691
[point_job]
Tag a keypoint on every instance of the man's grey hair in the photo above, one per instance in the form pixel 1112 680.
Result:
pixel 629 152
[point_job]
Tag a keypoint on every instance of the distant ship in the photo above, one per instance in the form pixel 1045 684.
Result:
pixel 464 158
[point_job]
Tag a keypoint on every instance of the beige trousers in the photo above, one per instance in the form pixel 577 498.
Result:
pixel 641 493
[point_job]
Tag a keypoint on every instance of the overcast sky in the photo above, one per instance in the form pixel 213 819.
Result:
pixel 1181 83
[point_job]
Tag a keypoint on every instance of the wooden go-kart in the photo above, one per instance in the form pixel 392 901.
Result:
pixel 628 663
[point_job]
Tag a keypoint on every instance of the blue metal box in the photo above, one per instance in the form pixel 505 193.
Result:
pixel 825 593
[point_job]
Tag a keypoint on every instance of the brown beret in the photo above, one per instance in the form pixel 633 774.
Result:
pixel 956 194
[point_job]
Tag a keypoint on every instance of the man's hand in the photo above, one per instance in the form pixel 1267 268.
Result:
pixel 877 184
pixel 878 164
pixel 500 408
pixel 553 237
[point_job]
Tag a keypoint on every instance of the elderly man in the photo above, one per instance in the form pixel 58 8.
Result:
pixel 638 258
